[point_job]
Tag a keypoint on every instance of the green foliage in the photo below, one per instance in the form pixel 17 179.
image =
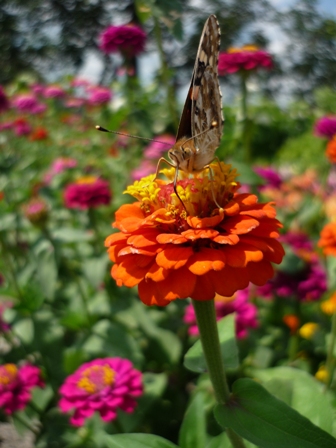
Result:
pixel 268 422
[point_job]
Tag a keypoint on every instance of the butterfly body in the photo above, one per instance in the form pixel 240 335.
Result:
pixel 201 124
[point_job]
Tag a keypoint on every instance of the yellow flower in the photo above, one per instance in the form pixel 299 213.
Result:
pixel 322 374
pixel 308 330
pixel 329 306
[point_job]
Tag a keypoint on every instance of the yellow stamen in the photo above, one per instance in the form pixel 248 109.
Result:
pixel 8 373
pixel 95 378
pixel 86 180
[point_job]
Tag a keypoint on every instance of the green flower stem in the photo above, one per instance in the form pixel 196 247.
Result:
pixel 18 417
pixel 245 131
pixel 207 325
pixel 98 240
pixel 330 363
pixel 5 252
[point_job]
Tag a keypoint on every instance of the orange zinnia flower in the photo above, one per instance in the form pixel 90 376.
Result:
pixel 328 239
pixel 174 252
pixel 331 150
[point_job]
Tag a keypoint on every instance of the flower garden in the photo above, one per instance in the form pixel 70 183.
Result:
pixel 112 287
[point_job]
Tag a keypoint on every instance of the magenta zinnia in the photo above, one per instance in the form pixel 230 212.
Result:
pixel 246 58
pixel 173 251
pixel 16 384
pixel 87 192
pixel 129 39
pixel 103 386
pixel 326 126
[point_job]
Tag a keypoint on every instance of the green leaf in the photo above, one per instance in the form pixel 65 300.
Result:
pixel 268 422
pixel 331 269
pixel 46 268
pixel 164 345
pixel 69 235
pixel 95 270
pixel 193 428
pixel 112 339
pixel 247 175
pixel 73 357
pixel 24 329
pixel 41 397
pixel 194 359
pixel 300 391
pixel 154 386
pixel 291 263
pixel 137 441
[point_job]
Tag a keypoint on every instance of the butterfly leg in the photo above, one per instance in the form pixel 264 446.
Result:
pixel 162 159
pixel 211 183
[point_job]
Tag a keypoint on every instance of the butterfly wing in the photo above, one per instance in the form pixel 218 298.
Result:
pixel 204 100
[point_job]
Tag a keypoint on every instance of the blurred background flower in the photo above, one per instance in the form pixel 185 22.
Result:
pixel 128 39
pixel 16 384
pixel 87 192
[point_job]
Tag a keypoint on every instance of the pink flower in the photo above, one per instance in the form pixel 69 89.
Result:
pixel 58 166
pixel 248 57
pixel 4 103
pixel 87 192
pixel 80 82
pixel 326 126
pixel 53 92
pixel 28 103
pixel 16 384
pixel 6 125
pixel 74 102
pixel 128 39
pixel 246 313
pixel 38 89
pixel 36 211
pixel 155 150
pixel 102 386
pixel 145 168
pixel 99 95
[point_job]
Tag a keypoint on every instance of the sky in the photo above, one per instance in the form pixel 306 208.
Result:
pixel 149 63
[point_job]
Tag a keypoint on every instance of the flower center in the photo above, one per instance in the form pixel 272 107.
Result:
pixel 200 192
pixel 8 374
pixel 96 378
pixel 86 180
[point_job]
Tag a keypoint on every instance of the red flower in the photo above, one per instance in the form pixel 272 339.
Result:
pixel 174 252
pixel 39 134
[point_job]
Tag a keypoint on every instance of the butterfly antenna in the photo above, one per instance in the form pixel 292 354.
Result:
pixel 100 128
pixel 214 124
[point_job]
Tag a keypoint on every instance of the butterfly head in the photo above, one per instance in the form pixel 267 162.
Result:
pixel 181 152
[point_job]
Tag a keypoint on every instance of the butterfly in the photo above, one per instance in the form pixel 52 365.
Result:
pixel 201 125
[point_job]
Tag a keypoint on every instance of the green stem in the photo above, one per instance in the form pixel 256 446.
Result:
pixel 207 325
pixel 165 74
pixel 330 363
pixel 98 243
pixel 245 120
pixel 10 265
pixel 27 425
